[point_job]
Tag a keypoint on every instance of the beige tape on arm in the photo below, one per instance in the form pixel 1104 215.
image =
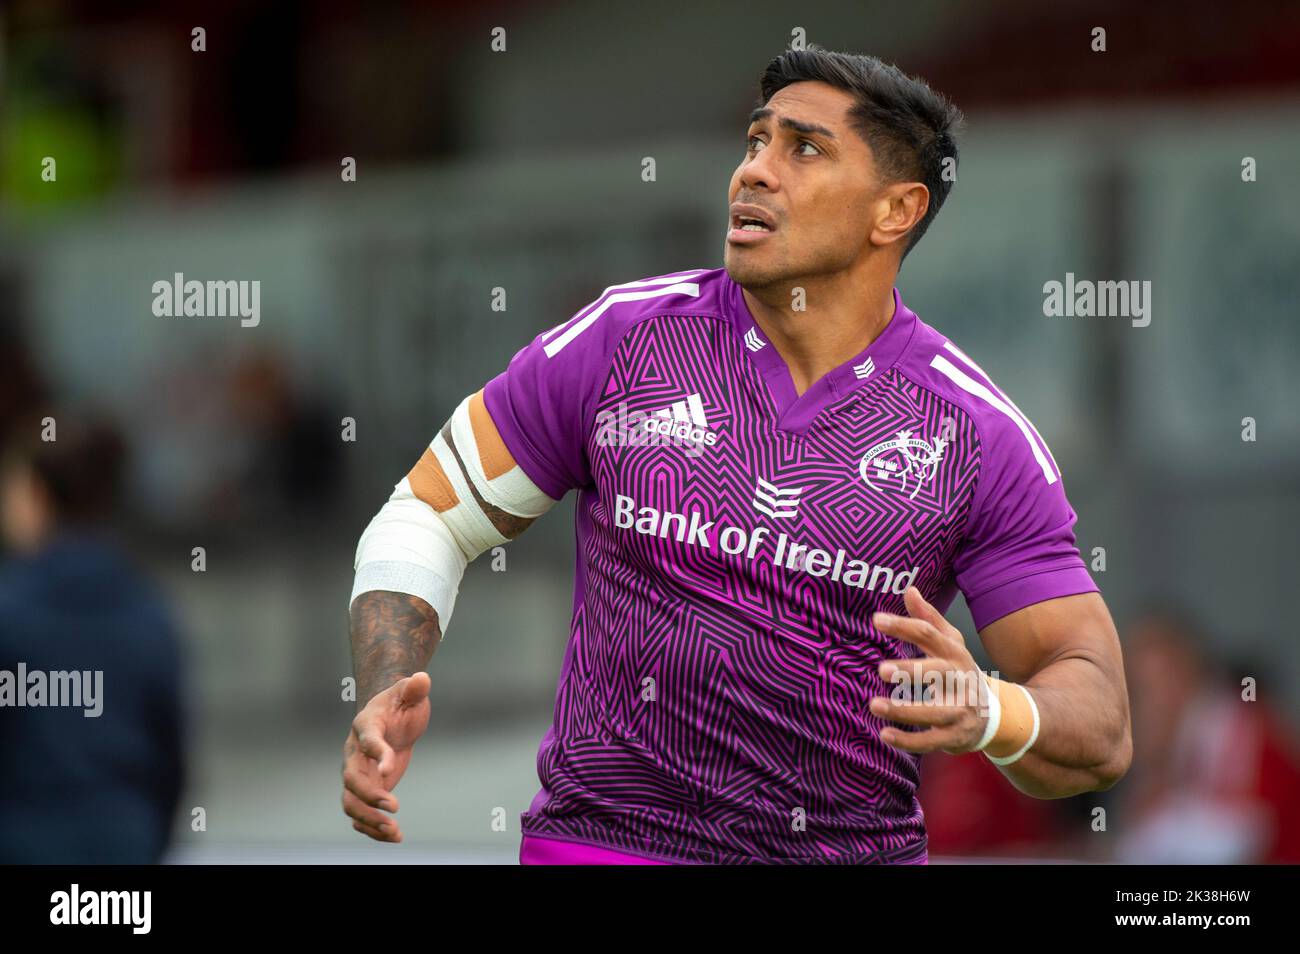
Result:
pixel 1018 723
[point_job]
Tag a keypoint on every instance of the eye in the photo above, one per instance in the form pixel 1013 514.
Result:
pixel 810 144
pixel 749 143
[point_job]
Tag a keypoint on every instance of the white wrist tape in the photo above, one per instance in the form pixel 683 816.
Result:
pixel 995 714
pixel 434 524
pixel 1033 735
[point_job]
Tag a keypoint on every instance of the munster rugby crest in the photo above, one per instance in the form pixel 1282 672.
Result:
pixel 902 462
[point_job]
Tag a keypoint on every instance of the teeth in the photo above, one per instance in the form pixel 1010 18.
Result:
pixel 754 227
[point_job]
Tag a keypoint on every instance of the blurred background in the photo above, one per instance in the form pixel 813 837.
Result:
pixel 520 169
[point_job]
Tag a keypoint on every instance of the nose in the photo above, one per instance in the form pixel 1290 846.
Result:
pixel 760 171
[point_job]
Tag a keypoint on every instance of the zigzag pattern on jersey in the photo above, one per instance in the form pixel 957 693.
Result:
pixel 760 676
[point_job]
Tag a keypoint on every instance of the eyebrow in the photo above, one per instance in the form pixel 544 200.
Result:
pixel 786 122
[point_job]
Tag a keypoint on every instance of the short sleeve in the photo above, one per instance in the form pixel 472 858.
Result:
pixel 543 404
pixel 1019 546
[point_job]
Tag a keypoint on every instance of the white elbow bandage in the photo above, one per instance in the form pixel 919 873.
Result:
pixel 438 517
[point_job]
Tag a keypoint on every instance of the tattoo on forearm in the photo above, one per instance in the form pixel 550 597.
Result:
pixel 507 524
pixel 393 636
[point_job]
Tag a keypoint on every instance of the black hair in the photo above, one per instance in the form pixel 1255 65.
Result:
pixel 910 128
pixel 81 471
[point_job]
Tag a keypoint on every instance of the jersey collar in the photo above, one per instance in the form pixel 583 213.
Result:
pixel 796 412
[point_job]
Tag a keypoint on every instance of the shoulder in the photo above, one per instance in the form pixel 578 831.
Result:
pixel 544 402
pixel 935 362
pixel 598 325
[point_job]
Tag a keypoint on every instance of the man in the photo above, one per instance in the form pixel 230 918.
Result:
pixel 91 712
pixel 784 477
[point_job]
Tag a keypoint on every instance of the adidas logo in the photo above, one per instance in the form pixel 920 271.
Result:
pixel 752 341
pixel 776 502
pixel 864 369
pixel 683 419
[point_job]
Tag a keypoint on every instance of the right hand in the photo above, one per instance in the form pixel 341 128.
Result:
pixel 377 752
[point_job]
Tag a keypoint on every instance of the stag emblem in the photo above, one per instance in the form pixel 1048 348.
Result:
pixel 902 460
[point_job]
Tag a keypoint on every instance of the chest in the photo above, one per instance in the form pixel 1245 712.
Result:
pixel 699 477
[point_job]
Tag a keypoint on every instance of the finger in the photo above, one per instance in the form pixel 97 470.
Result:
pixel 385 764
pixel 415 689
pixel 391 836
pixel 370 740
pixel 925 679
pixel 358 810
pixel 943 681
pixel 920 633
pixel 912 671
pixel 928 740
pixel 367 787
pixel 921 608
pixel 915 713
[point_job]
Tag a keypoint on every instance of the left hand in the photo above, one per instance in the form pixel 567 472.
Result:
pixel 954 711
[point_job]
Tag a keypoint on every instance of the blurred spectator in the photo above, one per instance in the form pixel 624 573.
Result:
pixel 1215 778
pixel 73 788
pixel 239 444
pixel 293 451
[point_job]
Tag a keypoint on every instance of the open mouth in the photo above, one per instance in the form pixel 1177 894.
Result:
pixel 749 223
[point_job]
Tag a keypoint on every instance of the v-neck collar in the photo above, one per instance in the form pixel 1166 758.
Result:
pixel 795 412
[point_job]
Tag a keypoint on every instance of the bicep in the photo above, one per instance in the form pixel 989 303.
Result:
pixel 1023 643
pixel 469 477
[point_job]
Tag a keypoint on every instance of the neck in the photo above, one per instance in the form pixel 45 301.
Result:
pixel 841 315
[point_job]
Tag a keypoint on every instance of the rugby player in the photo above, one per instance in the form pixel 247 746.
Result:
pixel 784 477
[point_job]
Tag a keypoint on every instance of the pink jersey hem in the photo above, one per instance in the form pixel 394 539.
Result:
pixel 552 851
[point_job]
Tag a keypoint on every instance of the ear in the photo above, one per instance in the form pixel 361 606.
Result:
pixel 900 207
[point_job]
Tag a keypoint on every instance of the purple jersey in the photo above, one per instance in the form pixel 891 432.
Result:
pixel 734 539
